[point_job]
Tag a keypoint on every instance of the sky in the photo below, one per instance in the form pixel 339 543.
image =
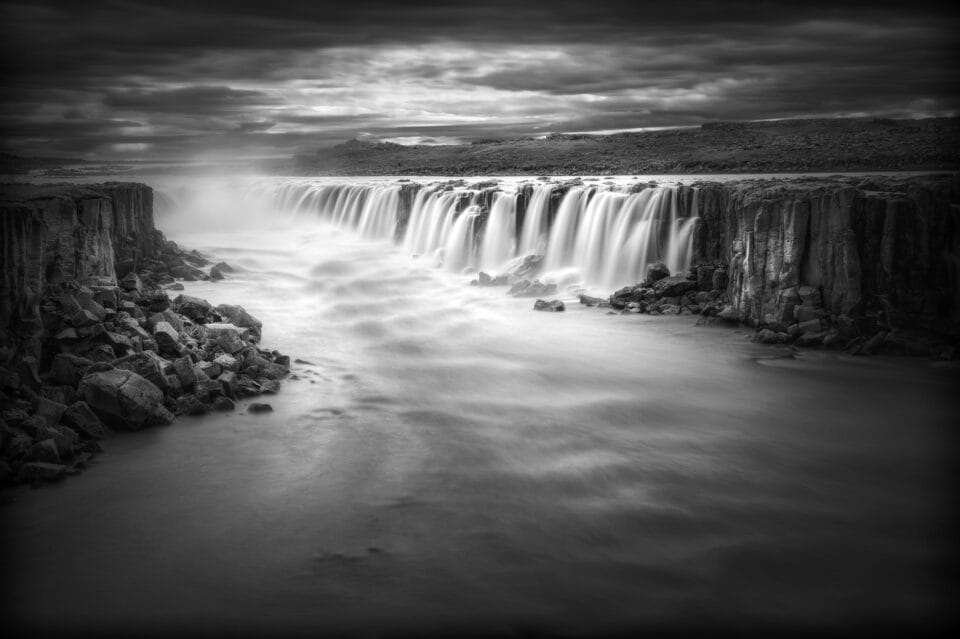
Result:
pixel 130 79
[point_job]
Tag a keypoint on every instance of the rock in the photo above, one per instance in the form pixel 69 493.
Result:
pixel 84 421
pixel 720 279
pixel 189 405
pixel 518 288
pixel 208 388
pixel 674 286
pixel 146 364
pixel 810 326
pixel 269 386
pixel 223 403
pixel 656 272
pixel 705 277
pixel 44 451
pixel 227 362
pixel 223 267
pixel 259 408
pixel 226 336
pixel 191 307
pixel 808 340
pixel 246 387
pixel 183 368
pixel 484 279
pixel 41 471
pixel 551 306
pixel 188 273
pixel 68 369
pixel 124 399
pixel 51 411
pixel 591 301
pixel 729 315
pixel 131 282
pixel 167 338
pixel 210 369
pixel 176 286
pixel 767 336
pixel 84 318
pixel 228 383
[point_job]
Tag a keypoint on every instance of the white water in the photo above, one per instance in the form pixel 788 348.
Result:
pixel 601 237
pixel 450 461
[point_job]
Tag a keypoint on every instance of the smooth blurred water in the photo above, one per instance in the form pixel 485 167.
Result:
pixel 449 461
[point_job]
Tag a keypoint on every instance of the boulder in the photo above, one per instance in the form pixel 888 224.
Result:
pixel 191 307
pixel 210 369
pixel 767 336
pixel 124 399
pixel 131 282
pixel 227 362
pixel 68 369
pixel 228 383
pixel 183 368
pixel 552 306
pixel 223 403
pixel 656 272
pixel 259 408
pixel 167 338
pixel 84 421
pixel 674 286
pixel 41 471
pixel 226 336
pixel 146 364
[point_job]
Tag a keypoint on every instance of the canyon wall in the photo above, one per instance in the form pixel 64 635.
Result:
pixel 882 251
pixel 51 234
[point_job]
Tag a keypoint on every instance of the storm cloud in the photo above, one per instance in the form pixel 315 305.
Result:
pixel 218 79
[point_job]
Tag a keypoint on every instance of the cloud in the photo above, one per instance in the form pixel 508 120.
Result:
pixel 251 77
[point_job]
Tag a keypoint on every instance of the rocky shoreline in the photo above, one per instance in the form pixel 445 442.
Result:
pixel 90 339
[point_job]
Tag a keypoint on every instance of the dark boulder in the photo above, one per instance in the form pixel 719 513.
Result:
pixel 656 272
pixel 553 306
pixel 124 399
pixel 674 286
pixel 259 408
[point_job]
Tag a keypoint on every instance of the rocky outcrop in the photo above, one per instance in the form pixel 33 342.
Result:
pixel 90 339
pixel 881 252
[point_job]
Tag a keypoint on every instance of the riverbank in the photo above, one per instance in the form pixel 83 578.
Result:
pixel 92 341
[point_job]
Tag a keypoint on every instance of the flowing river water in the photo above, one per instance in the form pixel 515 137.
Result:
pixel 446 460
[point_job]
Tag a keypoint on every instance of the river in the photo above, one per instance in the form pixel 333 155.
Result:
pixel 444 460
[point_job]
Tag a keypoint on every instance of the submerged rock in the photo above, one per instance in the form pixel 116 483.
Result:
pixel 552 306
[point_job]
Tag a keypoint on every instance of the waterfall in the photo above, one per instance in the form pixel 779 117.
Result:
pixel 599 237
pixel 533 239
pixel 499 240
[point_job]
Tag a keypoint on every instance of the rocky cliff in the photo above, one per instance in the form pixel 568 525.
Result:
pixel 884 252
pixel 53 234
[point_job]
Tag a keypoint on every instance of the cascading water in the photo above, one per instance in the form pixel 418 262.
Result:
pixel 533 239
pixel 499 239
pixel 597 237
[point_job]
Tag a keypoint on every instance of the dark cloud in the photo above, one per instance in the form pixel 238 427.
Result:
pixel 251 76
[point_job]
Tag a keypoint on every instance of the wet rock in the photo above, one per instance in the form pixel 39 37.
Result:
pixel 592 301
pixel 227 362
pixel 146 364
pixel 674 286
pixel 767 336
pixel 226 336
pixel 809 340
pixel 191 307
pixel 44 451
pixel 247 387
pixel 68 369
pixel 167 338
pixel 84 421
pixel 131 282
pixel 720 279
pixel 705 277
pixel 223 403
pixel 259 408
pixel 729 315
pixel 124 399
pixel 269 386
pixel 208 388
pixel 49 410
pixel 223 267
pixel 189 405
pixel 210 369
pixel 228 383
pixel 41 471
pixel 656 272
pixel 551 306
pixel 183 368
pixel 188 273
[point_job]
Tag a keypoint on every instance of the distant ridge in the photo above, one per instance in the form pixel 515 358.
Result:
pixel 776 146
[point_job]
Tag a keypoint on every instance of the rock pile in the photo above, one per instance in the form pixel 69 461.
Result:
pixel 803 320
pixel 125 357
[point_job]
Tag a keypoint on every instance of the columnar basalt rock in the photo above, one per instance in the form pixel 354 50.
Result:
pixel 89 337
